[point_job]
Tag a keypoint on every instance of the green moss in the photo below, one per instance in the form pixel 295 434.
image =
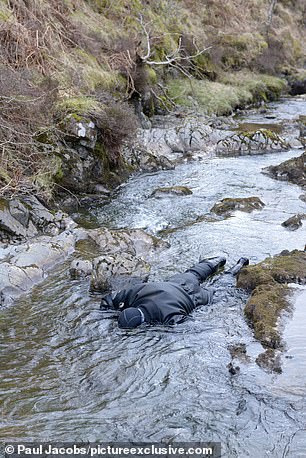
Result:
pixel 78 105
pixel 3 204
pixel 151 75
pixel 176 190
pixel 5 13
pixel 268 281
pixel 213 97
pixel 230 92
pixel 246 204
pixel 239 50
pixel 260 86
pixel 263 311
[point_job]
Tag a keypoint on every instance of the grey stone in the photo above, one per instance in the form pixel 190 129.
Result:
pixel 108 268
pixel 294 222
pixel 245 204
pixel 134 241
pixel 171 191
pixel 80 268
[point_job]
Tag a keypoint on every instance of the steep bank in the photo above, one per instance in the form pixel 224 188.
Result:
pixel 71 66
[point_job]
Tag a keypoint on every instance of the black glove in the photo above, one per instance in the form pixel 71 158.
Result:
pixel 107 302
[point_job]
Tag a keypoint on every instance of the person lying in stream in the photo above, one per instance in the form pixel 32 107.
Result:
pixel 169 302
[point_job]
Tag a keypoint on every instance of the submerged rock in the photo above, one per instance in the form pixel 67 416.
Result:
pixel 294 222
pixel 172 190
pixel 268 282
pixel 293 170
pixel 270 361
pixel 245 204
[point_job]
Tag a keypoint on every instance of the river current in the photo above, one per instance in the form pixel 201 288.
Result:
pixel 69 373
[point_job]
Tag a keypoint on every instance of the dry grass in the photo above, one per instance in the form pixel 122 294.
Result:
pixel 54 50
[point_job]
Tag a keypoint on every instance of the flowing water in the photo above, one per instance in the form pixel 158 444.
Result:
pixel 70 374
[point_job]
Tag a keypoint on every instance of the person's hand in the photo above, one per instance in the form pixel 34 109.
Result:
pixel 106 303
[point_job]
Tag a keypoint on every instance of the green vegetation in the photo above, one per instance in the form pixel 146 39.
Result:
pixel 268 282
pixel 87 57
pixel 234 90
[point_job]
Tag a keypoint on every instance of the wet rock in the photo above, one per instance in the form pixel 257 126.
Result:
pixel 123 256
pixel 294 222
pixel 107 269
pixel 134 241
pixel 15 220
pixel 302 126
pixel 270 361
pixel 297 86
pixel 293 170
pixel 239 352
pixel 25 265
pixel 80 268
pixel 233 370
pixel 170 141
pixel 15 281
pixel 26 217
pixel 172 190
pixel 303 197
pixel 245 204
pixel 268 282
pixel 251 142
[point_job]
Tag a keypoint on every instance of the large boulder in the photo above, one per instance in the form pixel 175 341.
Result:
pixel 124 255
pixel 134 241
pixel 245 204
pixel 170 141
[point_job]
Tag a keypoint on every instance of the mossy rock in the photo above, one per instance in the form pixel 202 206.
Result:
pixel 284 268
pixel 294 222
pixel 263 310
pixel 245 204
pixel 268 282
pixel 172 190
pixel 252 276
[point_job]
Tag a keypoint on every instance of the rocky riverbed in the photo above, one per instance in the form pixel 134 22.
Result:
pixel 76 370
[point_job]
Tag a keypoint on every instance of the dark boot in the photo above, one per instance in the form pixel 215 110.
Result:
pixel 207 267
pixel 215 263
pixel 236 269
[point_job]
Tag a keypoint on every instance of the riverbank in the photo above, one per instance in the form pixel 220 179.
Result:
pixel 69 373
pixel 44 237
pixel 75 73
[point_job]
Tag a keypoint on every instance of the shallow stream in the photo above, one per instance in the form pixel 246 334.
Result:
pixel 70 374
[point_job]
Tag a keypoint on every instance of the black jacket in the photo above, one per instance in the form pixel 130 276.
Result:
pixel 162 302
